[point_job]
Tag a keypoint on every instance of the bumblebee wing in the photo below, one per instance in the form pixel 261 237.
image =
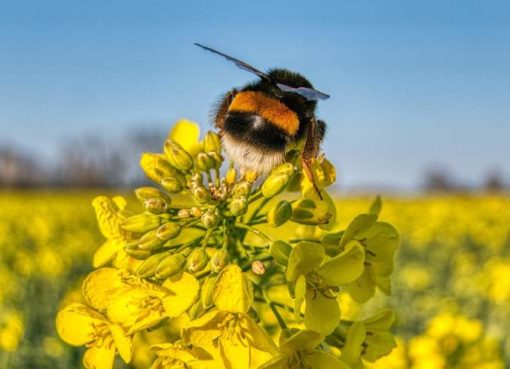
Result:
pixel 239 63
pixel 306 92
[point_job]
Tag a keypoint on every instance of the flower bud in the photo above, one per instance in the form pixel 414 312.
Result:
pixel 148 268
pixel 196 310
pixel 201 194
pixel 171 265
pixel 150 241
pixel 155 205
pixel 258 268
pixel 204 162
pixel 274 184
pixel 145 193
pixel 219 260
pixel 177 156
pixel 310 212
pixel 329 172
pixel 251 175
pixel 197 179
pixel 156 167
pixel 171 184
pixel 168 231
pixel 230 177
pixel 137 253
pixel 141 223
pixel 279 214
pixel 210 219
pixel 207 292
pixel 285 168
pixel 280 252
pixel 242 188
pixel 212 142
pixel 183 213
pixel 197 260
pixel 218 159
pixel 195 211
pixel 238 206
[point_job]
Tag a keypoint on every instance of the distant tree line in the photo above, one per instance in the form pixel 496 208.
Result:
pixel 92 161
pixel 439 179
pixel 100 161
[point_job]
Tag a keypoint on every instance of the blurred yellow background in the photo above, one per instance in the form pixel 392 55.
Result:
pixel 451 283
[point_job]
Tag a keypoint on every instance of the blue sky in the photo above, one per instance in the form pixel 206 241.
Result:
pixel 413 83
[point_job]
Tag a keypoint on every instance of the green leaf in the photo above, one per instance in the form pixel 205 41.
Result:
pixel 362 288
pixel 376 206
pixel 305 257
pixel 345 267
pixel 322 314
pixel 360 224
pixel 351 352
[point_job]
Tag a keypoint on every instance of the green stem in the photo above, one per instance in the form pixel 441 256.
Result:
pixel 297 240
pixel 257 195
pixel 254 231
pixel 276 313
pixel 258 209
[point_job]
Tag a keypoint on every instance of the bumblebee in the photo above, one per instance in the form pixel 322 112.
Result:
pixel 258 122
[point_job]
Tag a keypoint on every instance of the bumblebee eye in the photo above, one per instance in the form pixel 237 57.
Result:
pixel 308 93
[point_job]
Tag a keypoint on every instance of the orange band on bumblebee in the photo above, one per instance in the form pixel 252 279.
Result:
pixel 268 108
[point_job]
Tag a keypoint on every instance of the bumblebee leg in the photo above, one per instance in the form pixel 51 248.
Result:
pixel 315 134
pixel 221 109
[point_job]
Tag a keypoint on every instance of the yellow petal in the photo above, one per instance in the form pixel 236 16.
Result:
pixel 302 340
pixel 186 133
pixel 75 324
pixel 99 357
pixel 204 331
pixel 124 308
pixel 235 353
pixel 173 351
pixel 183 291
pixel 323 360
pixel 99 286
pixel 275 363
pixel 233 291
pixel 106 252
pixel 322 314
pixel 256 336
pixel 122 342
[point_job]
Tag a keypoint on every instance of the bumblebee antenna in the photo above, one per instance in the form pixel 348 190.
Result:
pixel 237 62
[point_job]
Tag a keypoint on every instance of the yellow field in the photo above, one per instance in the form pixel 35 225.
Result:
pixel 451 284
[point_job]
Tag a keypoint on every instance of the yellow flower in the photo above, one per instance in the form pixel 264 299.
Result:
pixel 177 356
pixel 186 134
pixel 299 351
pixel 11 331
pixel 228 331
pixel 135 303
pixel 79 325
pixel 110 215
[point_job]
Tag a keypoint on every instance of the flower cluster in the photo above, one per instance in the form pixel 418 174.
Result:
pixel 450 341
pixel 234 263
